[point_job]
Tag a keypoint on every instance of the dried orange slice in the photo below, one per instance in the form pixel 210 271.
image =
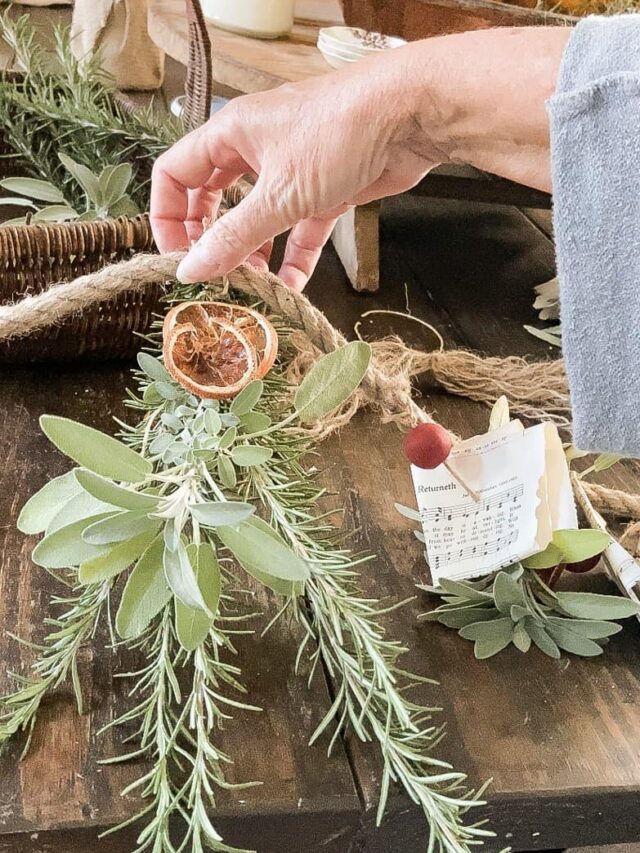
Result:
pixel 214 349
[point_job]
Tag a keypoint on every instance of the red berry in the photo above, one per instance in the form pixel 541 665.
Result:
pixel 427 445
pixel 583 565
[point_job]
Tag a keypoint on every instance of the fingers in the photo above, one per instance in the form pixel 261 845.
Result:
pixel 203 205
pixel 203 158
pixel 304 247
pixel 235 237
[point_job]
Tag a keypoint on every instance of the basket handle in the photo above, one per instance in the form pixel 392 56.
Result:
pixel 198 86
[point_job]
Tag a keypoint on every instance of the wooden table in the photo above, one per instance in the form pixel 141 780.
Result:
pixel 250 65
pixel 560 738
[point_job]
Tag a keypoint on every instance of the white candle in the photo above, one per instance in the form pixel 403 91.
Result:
pixel 262 18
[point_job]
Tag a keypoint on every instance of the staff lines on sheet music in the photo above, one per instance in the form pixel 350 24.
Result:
pixel 472 509
pixel 476 550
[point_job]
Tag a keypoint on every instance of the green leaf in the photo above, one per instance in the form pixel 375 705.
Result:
pixel 521 639
pixel 577 545
pixel 247 456
pixel 113 183
pixel 40 509
pixel 547 559
pixel 124 206
pixel 463 616
pixel 507 592
pixel 167 390
pixel 212 422
pixel 496 629
pixel 572 642
pixel 464 590
pixel 14 201
pixel 65 547
pixel 76 508
pixel 247 398
pixel 145 594
pixel 499 416
pixel 115 560
pixel 218 513
pixel 179 574
pixel 253 547
pixel 548 335
pixel 153 367
pixel 589 605
pixel 55 213
pixel 605 460
pixel 572 453
pixel 110 493
pixel 227 472
pixel 487 647
pixel 17 220
pixel 40 190
pixel 255 422
pixel 228 438
pixel 331 381
pixel 288 589
pixel 542 640
pixel 193 626
pixel 95 450
pixel 590 628
pixel 85 177
pixel 120 527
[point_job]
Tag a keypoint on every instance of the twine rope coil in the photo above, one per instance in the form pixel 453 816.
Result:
pixel 534 390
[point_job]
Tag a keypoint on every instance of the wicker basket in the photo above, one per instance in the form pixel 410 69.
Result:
pixel 33 257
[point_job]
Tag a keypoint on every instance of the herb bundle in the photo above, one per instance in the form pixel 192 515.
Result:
pixel 168 519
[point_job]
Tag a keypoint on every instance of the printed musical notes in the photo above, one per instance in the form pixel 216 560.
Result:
pixel 522 478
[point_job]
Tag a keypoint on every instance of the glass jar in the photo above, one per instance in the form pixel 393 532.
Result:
pixel 259 18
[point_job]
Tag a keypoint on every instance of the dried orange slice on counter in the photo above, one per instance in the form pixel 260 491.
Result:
pixel 214 349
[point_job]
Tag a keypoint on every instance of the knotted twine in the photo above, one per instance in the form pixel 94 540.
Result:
pixel 534 390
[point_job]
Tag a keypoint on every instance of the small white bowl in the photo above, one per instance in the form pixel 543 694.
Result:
pixel 358 39
pixel 334 60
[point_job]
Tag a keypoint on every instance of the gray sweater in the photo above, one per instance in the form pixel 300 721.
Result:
pixel 595 152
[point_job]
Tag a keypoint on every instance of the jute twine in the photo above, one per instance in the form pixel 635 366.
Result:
pixel 534 390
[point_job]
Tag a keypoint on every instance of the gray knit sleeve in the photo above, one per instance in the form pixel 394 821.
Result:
pixel 595 154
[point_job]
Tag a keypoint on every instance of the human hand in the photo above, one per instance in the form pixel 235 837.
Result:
pixel 362 133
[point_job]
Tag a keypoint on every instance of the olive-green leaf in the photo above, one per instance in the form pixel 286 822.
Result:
pixel 40 509
pixel 120 527
pixel 464 590
pixel 218 513
pixel 577 545
pixel 227 472
pixel 33 188
pixel 212 422
pixel 228 438
pixel 179 574
pixel 547 559
pixel 572 642
pixel 255 422
pixel 95 450
pixel 521 639
pixel 78 507
pixel 495 629
pixel 192 626
pixel 85 177
pixel 589 605
pixel 282 587
pixel 116 560
pixel 605 460
pixel 507 592
pixel 247 398
pixel 55 213
pixel 153 367
pixel 593 629
pixel 146 593
pixel 490 644
pixel 66 548
pixel 542 640
pixel 463 616
pixel 109 492
pixel 113 182
pixel 247 456
pixel 15 201
pixel 253 547
pixel 124 206
pixel 331 381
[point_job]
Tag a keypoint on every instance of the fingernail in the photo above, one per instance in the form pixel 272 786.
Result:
pixel 198 265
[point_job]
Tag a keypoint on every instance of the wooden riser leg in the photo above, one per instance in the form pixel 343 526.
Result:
pixel 356 238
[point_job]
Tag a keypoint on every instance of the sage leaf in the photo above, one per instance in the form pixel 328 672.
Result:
pixel 507 592
pixel 55 213
pixel 572 642
pixel 110 493
pixel 590 628
pixel 167 390
pixel 65 547
pixel 605 460
pixel 255 422
pixel 33 188
pixel 464 590
pixel 577 545
pixel 542 640
pixel 120 527
pixel 493 630
pixel 408 512
pixel 146 593
pixel 521 639
pixel 95 450
pixel 227 472
pixel 151 396
pixel 288 589
pixel 518 612
pixel 228 438
pixel 192 625
pixel 78 507
pixel 14 201
pixel 40 509
pixel 247 456
pixel 124 206
pixel 463 616
pixel 85 177
pixel 219 513
pixel 113 183
pixel 153 367
pixel 331 381
pixel 160 443
pixel 179 574
pixel 547 559
pixel 247 398
pixel 590 605
pixel 489 645
pixel 253 547
pixel 212 422
pixel 115 560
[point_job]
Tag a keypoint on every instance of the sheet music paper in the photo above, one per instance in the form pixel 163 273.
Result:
pixel 523 480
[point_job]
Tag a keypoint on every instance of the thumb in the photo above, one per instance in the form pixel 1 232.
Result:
pixel 233 238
